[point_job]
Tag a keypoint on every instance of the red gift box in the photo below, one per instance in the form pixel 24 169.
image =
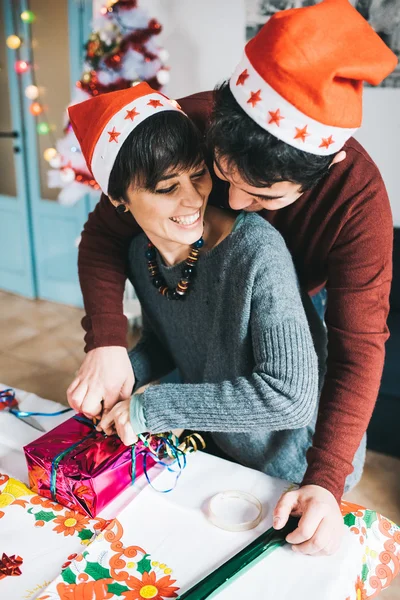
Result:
pixel 81 468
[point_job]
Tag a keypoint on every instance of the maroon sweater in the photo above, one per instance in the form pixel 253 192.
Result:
pixel 340 235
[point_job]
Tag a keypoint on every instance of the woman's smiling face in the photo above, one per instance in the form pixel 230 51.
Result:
pixel 174 211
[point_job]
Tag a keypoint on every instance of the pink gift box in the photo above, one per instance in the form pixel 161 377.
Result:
pixel 80 467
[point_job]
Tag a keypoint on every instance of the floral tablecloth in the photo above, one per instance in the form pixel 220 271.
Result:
pixel 154 545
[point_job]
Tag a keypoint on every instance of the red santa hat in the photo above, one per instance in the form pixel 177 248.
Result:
pixel 301 76
pixel 103 123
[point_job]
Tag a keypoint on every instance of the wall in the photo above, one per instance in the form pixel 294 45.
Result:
pixel 205 39
pixel 380 135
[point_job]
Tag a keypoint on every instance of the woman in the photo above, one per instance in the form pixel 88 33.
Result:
pixel 219 293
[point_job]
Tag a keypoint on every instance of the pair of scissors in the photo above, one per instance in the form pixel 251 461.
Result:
pixel 9 403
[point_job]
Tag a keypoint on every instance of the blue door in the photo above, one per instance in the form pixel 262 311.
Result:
pixel 52 231
pixel 16 255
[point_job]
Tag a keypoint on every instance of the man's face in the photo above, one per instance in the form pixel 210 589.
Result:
pixel 243 196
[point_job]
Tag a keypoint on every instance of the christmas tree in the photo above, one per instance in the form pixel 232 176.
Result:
pixel 121 51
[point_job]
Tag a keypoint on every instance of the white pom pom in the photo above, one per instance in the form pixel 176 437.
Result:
pixel 163 55
pixel 67 175
pixel 55 162
pixel 163 76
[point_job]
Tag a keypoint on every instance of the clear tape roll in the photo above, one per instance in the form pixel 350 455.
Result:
pixel 222 523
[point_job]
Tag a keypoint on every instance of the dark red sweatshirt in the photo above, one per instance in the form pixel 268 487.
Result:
pixel 340 235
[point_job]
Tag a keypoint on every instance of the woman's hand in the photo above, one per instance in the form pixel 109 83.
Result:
pixel 117 420
pixel 320 529
pixel 106 375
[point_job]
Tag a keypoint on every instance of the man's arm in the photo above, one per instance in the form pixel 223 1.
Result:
pixel 106 373
pixel 359 277
pixel 102 262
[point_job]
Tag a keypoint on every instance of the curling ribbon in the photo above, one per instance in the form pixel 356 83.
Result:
pixel 160 446
pixel 7 398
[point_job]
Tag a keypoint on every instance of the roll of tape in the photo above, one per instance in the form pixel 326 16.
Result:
pixel 222 523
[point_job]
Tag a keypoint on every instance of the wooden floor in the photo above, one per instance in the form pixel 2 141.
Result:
pixel 42 347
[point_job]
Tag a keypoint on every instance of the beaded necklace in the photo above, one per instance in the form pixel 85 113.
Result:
pixel 187 276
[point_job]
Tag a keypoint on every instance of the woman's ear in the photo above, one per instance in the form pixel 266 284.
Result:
pixel 119 205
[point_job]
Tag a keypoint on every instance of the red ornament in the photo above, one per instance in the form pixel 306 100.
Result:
pixel 10 566
pixel 154 26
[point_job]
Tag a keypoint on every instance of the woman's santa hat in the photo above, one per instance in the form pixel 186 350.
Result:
pixel 301 76
pixel 103 123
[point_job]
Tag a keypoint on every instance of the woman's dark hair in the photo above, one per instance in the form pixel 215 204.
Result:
pixel 260 158
pixel 166 141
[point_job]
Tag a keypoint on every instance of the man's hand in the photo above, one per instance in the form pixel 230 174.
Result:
pixel 320 528
pixel 105 374
pixel 117 420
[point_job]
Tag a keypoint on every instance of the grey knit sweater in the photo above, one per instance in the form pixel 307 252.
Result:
pixel 243 347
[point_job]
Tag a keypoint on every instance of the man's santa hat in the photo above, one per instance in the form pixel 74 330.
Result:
pixel 103 123
pixel 301 76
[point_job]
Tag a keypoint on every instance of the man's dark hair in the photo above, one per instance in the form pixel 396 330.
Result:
pixel 260 158
pixel 164 142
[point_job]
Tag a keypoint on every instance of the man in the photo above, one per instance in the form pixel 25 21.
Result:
pixel 281 135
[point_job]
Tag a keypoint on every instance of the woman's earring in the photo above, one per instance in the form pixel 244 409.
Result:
pixel 120 209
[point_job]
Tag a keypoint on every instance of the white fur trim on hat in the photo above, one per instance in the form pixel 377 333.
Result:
pixel 277 116
pixel 119 127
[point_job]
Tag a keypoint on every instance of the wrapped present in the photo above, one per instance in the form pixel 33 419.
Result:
pixel 81 468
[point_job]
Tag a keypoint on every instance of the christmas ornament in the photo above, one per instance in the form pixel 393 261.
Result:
pixel 43 128
pixel 35 109
pixel 163 76
pixel 13 42
pixel 67 175
pixel 32 92
pixel 163 55
pixel 21 66
pixel 28 16
pixel 56 162
pixel 49 154
pixel 120 53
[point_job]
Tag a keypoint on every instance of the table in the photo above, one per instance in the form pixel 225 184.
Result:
pixel 152 545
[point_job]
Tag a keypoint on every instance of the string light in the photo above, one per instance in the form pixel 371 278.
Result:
pixel 49 154
pixel 43 128
pixel 32 92
pixel 28 16
pixel 21 66
pixel 13 42
pixel 36 109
